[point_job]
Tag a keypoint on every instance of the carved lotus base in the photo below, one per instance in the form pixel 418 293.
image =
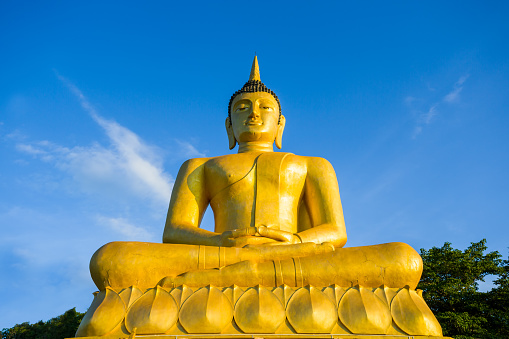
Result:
pixel 281 312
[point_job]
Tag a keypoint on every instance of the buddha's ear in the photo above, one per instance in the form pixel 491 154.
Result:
pixel 280 129
pixel 229 130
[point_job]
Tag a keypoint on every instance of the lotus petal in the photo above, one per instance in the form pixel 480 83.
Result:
pixel 412 315
pixel 207 310
pixel 309 310
pixel 106 312
pixel 154 312
pixel 362 312
pixel 259 311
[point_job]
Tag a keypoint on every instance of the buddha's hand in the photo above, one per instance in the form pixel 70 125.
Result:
pixel 280 236
pixel 241 232
pixel 238 237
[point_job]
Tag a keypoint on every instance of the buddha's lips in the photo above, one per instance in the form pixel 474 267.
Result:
pixel 254 123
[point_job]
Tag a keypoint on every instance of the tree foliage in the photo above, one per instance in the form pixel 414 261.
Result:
pixel 450 282
pixel 63 326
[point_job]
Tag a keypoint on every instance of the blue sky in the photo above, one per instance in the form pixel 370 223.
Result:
pixel 100 103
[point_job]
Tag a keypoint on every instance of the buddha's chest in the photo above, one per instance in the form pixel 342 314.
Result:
pixel 246 176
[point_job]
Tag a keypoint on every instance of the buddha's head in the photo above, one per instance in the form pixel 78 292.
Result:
pixel 254 113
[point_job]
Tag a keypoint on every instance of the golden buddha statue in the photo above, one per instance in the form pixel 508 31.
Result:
pixel 279 226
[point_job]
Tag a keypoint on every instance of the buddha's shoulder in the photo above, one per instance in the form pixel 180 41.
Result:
pixel 208 162
pixel 308 161
pixel 193 164
pixel 289 159
pixel 241 157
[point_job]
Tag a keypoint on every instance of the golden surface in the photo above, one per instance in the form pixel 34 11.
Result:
pixel 310 311
pixel 154 312
pixel 129 295
pixel 279 232
pixel 363 312
pixel 269 311
pixel 104 315
pixel 259 311
pixel 412 315
pixel 207 310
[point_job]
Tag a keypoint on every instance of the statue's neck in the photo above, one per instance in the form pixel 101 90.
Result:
pixel 255 146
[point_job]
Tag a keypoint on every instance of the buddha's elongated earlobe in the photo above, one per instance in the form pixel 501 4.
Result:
pixel 229 130
pixel 280 129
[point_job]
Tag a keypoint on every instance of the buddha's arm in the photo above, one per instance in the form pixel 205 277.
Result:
pixel 187 205
pixel 321 196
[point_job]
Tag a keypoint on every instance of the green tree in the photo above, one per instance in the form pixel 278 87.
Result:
pixel 498 315
pixel 63 326
pixel 450 283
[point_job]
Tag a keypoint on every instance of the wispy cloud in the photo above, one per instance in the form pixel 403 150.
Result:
pixel 139 160
pixel 126 228
pixel 85 104
pixel 27 148
pixel 126 169
pixel 429 115
pixel 188 150
pixel 416 132
pixel 453 96
pixel 127 166
pixel 426 115
pixel 425 119
pixel 128 156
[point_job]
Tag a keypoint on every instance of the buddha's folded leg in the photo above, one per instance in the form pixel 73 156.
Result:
pixel 123 264
pixel 392 265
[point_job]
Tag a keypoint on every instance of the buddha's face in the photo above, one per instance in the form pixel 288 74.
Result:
pixel 254 117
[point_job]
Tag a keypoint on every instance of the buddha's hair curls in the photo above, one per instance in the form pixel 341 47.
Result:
pixel 253 86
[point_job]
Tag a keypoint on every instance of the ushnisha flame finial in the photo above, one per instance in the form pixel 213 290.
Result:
pixel 255 70
pixel 254 84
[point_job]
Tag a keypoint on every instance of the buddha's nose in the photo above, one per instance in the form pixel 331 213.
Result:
pixel 254 113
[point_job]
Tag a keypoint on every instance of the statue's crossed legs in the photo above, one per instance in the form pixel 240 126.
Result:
pixel 123 264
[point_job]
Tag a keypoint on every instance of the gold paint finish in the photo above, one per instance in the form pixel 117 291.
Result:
pixel 104 315
pixel 208 310
pixel 279 226
pixel 259 311
pixel 130 295
pixel 281 310
pixel 255 70
pixel 412 315
pixel 155 312
pixel 361 311
pixel 311 311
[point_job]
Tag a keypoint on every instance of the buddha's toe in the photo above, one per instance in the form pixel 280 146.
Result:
pixel 167 282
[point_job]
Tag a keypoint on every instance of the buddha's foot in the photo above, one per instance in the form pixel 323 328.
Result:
pixel 243 273
pixel 281 310
pixel 167 282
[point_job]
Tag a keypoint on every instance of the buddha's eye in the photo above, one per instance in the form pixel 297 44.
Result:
pixel 242 108
pixel 266 107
